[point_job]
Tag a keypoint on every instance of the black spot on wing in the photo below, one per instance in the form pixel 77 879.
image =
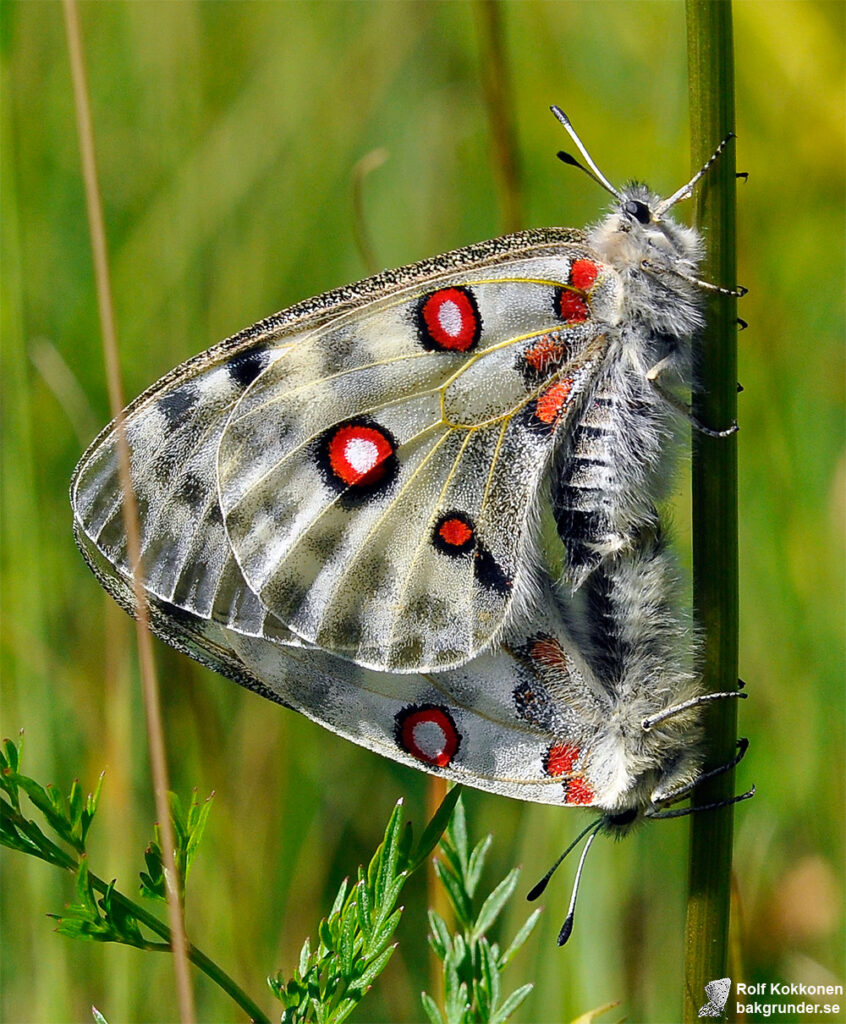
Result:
pixel 534 704
pixel 244 368
pixel 490 573
pixel 192 490
pixel 176 405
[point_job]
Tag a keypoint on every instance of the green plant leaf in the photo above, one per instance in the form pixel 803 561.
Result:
pixel 510 1004
pixel 431 1008
pixel 489 973
pixel 439 938
pixel 494 903
pixel 339 899
pixel 476 863
pixel 435 829
pixel 367 977
pixel 455 1001
pixel 458 895
pixel 346 947
pixel 520 938
pixel 457 833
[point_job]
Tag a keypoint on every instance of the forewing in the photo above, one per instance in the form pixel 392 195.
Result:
pixel 172 434
pixel 285 392
pixel 377 481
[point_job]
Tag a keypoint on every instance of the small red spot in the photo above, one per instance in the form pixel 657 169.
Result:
pixel 572 308
pixel 455 532
pixel 547 351
pixel 561 758
pixel 548 652
pixel 552 401
pixel 358 454
pixel 583 273
pixel 578 792
pixel 450 320
pixel 429 734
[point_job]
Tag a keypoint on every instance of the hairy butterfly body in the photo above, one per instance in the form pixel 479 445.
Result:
pixel 349 507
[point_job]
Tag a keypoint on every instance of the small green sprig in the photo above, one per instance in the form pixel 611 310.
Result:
pixel 99 911
pixel 188 828
pixel 354 944
pixel 69 816
pixel 472 964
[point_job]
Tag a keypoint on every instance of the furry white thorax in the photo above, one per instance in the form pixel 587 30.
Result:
pixel 656 298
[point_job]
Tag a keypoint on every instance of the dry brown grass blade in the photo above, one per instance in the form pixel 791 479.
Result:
pixel 155 737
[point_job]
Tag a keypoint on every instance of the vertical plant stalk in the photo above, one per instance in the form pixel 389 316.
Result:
pixel 715 591
pixel 155 738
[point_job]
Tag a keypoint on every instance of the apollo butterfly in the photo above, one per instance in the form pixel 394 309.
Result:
pixel 342 507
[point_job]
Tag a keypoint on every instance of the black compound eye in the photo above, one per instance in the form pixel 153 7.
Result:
pixel 640 211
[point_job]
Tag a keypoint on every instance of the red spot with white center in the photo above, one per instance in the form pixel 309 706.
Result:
pixel 571 307
pixel 583 273
pixel 454 534
pixel 449 320
pixel 561 758
pixel 578 792
pixel 359 453
pixel 429 733
pixel 553 400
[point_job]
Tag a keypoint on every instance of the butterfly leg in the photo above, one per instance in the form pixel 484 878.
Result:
pixel 652 376
pixel 669 794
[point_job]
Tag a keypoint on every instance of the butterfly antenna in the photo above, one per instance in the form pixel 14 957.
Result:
pixel 567 927
pixel 686 191
pixel 542 884
pixel 592 171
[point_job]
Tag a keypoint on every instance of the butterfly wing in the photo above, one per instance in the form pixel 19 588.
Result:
pixel 519 720
pixel 363 467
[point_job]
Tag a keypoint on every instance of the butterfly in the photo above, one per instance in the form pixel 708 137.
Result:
pixel 348 507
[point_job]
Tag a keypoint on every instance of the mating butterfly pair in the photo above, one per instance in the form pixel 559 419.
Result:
pixel 349 507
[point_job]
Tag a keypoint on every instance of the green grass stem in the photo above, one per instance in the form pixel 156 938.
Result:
pixel 715 586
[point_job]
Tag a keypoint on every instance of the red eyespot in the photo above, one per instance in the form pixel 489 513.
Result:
pixel 571 307
pixel 583 273
pixel 359 456
pixel 454 534
pixel 449 320
pixel 547 352
pixel 428 733
pixel 578 792
pixel 548 653
pixel 560 759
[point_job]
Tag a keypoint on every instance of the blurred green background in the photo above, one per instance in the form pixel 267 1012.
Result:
pixel 226 136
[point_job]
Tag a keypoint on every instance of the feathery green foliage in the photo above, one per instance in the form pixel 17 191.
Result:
pixel 354 941
pixel 472 963
pixel 99 911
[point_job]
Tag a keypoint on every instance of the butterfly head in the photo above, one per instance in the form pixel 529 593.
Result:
pixel 638 227
pixel 634 231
